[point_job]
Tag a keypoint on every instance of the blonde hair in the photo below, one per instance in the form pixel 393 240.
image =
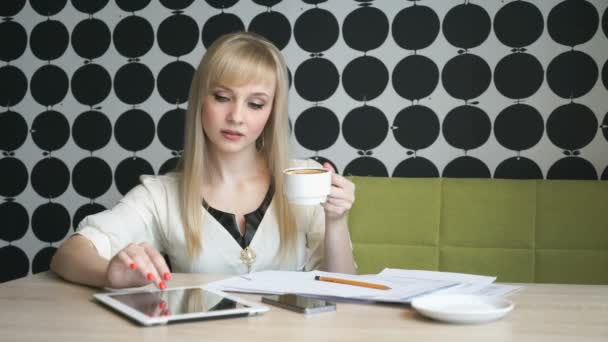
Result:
pixel 233 60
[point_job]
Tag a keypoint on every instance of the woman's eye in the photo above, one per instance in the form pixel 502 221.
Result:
pixel 256 106
pixel 220 98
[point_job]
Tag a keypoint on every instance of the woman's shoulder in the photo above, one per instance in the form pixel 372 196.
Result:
pixel 304 163
pixel 159 185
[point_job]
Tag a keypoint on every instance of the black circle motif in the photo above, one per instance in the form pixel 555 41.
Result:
pixel 572 168
pixel 365 78
pixel 15 263
pixel 466 127
pixel 572 126
pixel 13 130
pixel 416 167
pixel 316 79
pixel 267 3
pixel 13 85
pixel 176 4
pixel 133 36
pixel 272 25
pixel 49 85
pixel 134 120
pixel 92 130
pixel 42 259
pixel 9 9
pixel 128 171
pixel 86 210
pixel 466 25
pixel 181 26
pixel 49 40
pixel 219 25
pixel 317 128
pixel 367 167
pixel 14 40
pixel 518 168
pixel 519 127
pixel 605 127
pixel 14 177
pixel 15 221
pixel 91 38
pixel 50 222
pixel 466 167
pixel 170 129
pixel 91 177
pixel 466 76
pixel 50 130
pixel 316 30
pixel 529 27
pixel 48 8
pixel 89 6
pixel 173 82
pixel 132 5
pixel 50 177
pixel 169 165
pixel 416 127
pixel 366 119
pixel 415 77
pixel 518 75
pixel 365 28
pixel 572 74
pixel 572 22
pixel 221 4
pixel 415 27
pixel 133 83
pixel 91 84
pixel 605 74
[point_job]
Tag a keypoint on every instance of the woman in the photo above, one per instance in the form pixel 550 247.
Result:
pixel 224 211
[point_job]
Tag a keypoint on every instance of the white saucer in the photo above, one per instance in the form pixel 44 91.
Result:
pixel 455 308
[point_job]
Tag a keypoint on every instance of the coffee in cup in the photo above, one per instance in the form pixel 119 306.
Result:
pixel 307 185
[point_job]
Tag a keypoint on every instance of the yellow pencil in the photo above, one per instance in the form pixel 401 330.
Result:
pixel 352 282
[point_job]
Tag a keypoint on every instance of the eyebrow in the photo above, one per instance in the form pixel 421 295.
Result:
pixel 259 93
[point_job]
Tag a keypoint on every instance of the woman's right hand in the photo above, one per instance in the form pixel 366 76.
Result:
pixel 137 264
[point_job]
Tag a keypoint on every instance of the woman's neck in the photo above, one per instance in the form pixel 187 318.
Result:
pixel 234 168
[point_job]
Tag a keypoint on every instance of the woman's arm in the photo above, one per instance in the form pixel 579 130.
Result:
pixel 77 261
pixel 338 253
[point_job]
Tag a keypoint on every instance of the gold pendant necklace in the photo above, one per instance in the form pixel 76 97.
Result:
pixel 248 257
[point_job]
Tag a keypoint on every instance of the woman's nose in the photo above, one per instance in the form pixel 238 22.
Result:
pixel 236 113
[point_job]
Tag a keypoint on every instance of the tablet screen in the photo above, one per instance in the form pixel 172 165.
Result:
pixel 176 302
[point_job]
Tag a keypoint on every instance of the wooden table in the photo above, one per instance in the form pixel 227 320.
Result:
pixel 45 308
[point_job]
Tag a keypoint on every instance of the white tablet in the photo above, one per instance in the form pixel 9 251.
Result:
pixel 180 304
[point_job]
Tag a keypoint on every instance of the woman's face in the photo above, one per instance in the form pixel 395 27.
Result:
pixel 234 117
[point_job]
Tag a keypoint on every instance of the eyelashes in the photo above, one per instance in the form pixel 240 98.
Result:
pixel 223 99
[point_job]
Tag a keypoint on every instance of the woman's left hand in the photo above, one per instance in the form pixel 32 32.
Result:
pixel 341 196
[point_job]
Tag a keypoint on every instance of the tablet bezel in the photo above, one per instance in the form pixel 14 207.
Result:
pixel 106 298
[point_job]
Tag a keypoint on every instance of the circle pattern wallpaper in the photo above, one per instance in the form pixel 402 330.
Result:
pixel 93 94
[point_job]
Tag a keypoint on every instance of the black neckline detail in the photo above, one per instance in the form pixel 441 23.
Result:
pixel 252 219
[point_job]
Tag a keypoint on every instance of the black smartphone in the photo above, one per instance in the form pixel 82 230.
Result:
pixel 300 304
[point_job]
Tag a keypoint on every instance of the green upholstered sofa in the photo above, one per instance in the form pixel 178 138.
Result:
pixel 544 231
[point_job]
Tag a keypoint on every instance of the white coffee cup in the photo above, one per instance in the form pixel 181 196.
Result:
pixel 306 185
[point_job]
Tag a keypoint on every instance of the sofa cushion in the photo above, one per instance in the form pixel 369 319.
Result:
pixel 517 230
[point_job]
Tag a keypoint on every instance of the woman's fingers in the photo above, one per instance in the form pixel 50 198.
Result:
pixel 145 266
pixel 158 261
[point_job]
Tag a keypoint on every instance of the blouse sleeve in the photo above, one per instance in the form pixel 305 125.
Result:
pixel 315 240
pixel 134 219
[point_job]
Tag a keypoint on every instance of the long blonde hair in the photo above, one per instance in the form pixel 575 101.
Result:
pixel 233 60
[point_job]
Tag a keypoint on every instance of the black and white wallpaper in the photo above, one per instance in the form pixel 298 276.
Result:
pixel 93 94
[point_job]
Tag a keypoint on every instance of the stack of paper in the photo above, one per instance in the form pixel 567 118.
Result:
pixel 404 284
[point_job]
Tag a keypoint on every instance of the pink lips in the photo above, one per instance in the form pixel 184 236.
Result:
pixel 232 135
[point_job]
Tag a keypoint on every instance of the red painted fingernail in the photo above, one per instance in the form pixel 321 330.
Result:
pixel 162 305
pixel 162 285
pixel 132 266
pixel 167 313
pixel 167 276
pixel 150 276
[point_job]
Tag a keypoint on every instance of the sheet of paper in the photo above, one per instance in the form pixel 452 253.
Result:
pixel 280 282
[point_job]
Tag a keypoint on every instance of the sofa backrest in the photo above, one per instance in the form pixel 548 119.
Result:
pixel 545 231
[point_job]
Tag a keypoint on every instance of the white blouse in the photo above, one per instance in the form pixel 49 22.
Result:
pixel 150 212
